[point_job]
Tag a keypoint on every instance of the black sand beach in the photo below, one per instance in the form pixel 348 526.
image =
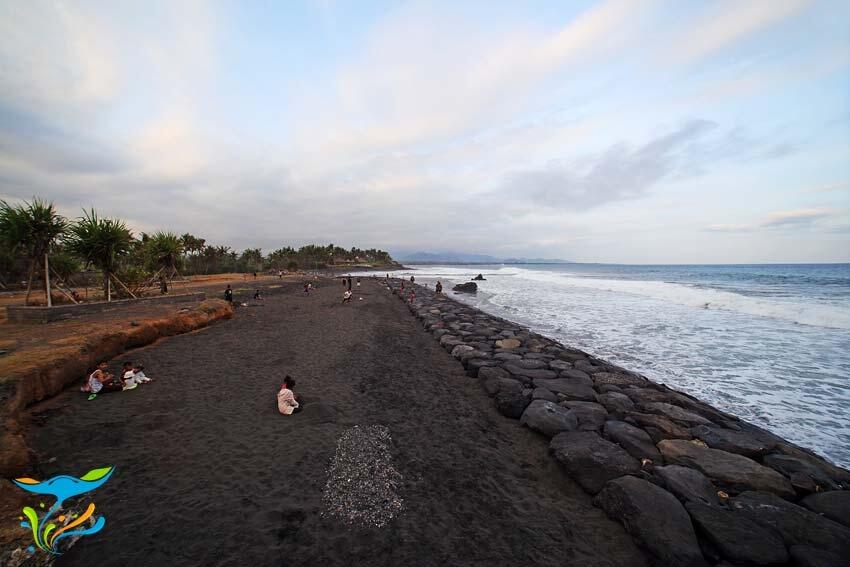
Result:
pixel 209 473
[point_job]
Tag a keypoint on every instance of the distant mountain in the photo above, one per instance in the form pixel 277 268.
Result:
pixel 466 258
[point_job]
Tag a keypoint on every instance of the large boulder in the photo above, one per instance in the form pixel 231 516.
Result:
pixel 804 475
pixel 735 472
pixel 528 373
pixel 614 378
pixel 544 394
pixel 795 524
pixel 578 376
pixel 468 287
pixel 569 388
pixel 840 475
pixel 548 418
pixel 560 365
pixel 634 440
pixel 658 427
pixel 807 556
pixel 654 518
pixel 736 537
pixel 834 505
pixel 687 484
pixel 508 343
pixel 591 416
pixel 512 398
pixel 675 413
pixel 731 441
pixel 615 402
pixel 591 460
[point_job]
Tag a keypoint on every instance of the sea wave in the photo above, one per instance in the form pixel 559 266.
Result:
pixel 820 315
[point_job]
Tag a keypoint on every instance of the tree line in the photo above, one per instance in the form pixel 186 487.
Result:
pixel 38 245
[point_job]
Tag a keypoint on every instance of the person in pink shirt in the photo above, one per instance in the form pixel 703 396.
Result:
pixel 287 404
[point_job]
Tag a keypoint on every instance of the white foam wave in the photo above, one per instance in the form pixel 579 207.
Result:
pixel 820 315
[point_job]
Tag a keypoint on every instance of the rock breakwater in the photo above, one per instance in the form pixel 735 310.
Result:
pixel 692 484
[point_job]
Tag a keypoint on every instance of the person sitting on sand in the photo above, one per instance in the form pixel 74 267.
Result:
pixel 346 296
pixel 228 294
pixel 139 374
pixel 286 402
pixel 100 381
pixel 258 295
pixel 128 377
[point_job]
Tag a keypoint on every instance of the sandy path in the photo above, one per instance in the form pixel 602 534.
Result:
pixel 209 473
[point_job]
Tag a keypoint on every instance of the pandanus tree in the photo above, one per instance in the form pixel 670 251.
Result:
pixel 164 251
pixel 32 229
pixel 100 242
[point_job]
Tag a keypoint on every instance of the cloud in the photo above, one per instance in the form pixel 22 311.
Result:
pixel 619 173
pixel 797 217
pixel 778 220
pixel 724 24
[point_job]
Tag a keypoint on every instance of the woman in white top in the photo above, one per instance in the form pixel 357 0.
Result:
pixel 286 402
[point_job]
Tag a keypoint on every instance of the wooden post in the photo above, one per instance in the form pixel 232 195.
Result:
pixel 125 287
pixel 47 280
pixel 108 288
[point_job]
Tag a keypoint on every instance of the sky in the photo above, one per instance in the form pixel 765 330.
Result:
pixel 624 131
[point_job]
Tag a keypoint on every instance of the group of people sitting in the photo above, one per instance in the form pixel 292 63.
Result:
pixel 102 381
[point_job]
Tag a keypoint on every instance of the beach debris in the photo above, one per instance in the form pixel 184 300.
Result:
pixel 363 485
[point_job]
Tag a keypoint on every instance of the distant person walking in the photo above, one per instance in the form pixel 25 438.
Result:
pixel 412 280
pixel 228 295
pixel 349 283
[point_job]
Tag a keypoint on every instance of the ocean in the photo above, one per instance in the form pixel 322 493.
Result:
pixel 768 343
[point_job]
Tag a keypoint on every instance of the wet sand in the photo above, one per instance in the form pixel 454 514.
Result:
pixel 208 472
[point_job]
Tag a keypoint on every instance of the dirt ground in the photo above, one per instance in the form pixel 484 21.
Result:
pixel 208 472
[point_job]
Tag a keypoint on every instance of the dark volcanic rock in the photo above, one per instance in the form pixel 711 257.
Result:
pixel 687 484
pixel 528 363
pixel 664 426
pixel 617 379
pixel 839 475
pixel 529 373
pixel 507 356
pixel 512 399
pixel 738 538
pixel 548 418
pixel 803 475
pixel 544 394
pixel 795 524
pixel 492 372
pixel 634 440
pixel 654 518
pixel 616 402
pixel 591 460
pixel 834 504
pixel 568 388
pixel 735 472
pixel 731 441
pixel 577 375
pixel 560 365
pixel 805 556
pixel 474 366
pixel 675 413
pixel 493 385
pixel 591 416
pixel 468 287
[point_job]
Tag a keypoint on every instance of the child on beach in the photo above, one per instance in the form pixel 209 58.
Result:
pixel 411 296
pixel 139 374
pixel 286 402
pixel 346 296
pixel 128 377
pixel 439 287
pixel 228 294
pixel 100 381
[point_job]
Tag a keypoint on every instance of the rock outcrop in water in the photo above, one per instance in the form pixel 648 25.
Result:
pixel 693 485
pixel 468 287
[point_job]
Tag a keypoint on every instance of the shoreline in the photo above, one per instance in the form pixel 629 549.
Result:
pixel 598 464
pixel 611 428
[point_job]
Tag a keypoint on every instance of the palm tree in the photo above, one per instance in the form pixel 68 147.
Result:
pixel 100 243
pixel 32 228
pixel 164 249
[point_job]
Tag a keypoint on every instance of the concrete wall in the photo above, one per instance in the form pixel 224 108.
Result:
pixel 22 314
